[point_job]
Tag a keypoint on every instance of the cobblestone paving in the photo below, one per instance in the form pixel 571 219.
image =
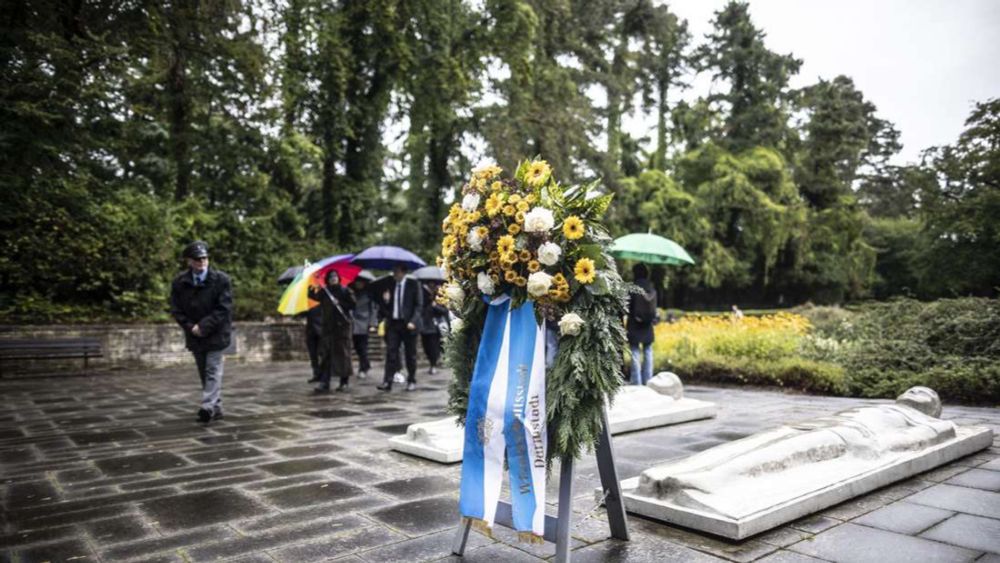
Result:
pixel 114 468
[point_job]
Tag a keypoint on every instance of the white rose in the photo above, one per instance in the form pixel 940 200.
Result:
pixel 470 202
pixel 485 283
pixel 455 294
pixel 539 283
pixel 456 325
pixel 549 253
pixel 474 240
pixel 538 220
pixel 570 324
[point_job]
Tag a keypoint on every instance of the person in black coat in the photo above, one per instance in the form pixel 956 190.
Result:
pixel 201 301
pixel 314 335
pixel 336 303
pixel 432 317
pixel 639 326
pixel 403 303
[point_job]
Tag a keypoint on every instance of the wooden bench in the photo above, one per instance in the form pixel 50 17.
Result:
pixel 50 349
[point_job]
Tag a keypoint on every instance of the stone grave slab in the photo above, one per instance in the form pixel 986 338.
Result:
pixel 748 486
pixel 659 403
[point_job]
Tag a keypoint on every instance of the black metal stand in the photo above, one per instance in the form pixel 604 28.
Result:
pixel 557 529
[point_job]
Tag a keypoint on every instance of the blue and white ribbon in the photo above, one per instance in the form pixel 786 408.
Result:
pixel 506 416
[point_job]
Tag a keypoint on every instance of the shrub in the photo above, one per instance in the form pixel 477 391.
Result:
pixel 789 372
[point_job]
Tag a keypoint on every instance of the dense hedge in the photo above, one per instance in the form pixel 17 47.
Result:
pixel 871 350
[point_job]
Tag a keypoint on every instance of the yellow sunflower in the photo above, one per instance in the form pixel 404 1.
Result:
pixel 496 186
pixel 509 210
pixel 506 245
pixel 482 232
pixel 573 227
pixel 513 228
pixel 510 276
pixel 538 171
pixel 584 271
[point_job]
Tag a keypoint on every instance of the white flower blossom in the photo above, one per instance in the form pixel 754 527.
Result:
pixel 484 164
pixel 475 241
pixel 456 325
pixel 470 202
pixel 539 284
pixel 485 283
pixel 538 220
pixel 455 294
pixel 549 253
pixel 570 324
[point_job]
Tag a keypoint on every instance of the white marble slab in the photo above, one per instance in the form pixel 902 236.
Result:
pixel 748 503
pixel 634 408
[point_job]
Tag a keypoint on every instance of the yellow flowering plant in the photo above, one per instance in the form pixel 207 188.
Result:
pixel 530 238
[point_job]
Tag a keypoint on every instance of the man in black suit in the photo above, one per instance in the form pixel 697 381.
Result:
pixel 403 304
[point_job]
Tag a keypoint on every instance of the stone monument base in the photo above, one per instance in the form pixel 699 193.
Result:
pixel 968 440
pixel 438 440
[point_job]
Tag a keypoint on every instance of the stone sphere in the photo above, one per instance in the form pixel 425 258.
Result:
pixel 923 399
pixel 666 383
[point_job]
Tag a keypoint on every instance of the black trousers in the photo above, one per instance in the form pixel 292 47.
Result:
pixel 312 343
pixel 361 348
pixel 432 347
pixel 396 333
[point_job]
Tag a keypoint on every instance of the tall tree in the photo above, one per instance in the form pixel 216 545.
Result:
pixel 755 104
pixel 664 62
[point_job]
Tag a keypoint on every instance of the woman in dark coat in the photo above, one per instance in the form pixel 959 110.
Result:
pixel 639 326
pixel 337 302
pixel 431 317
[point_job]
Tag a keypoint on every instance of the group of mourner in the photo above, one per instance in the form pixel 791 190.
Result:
pixel 201 301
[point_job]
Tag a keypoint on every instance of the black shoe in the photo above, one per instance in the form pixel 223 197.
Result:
pixel 411 386
pixel 321 390
pixel 204 416
pixel 217 414
pixel 342 388
pixel 384 387
pixel 314 380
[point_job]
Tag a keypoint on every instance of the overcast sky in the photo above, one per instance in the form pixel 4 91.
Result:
pixel 921 62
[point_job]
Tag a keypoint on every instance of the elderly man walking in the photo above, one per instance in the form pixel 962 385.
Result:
pixel 201 301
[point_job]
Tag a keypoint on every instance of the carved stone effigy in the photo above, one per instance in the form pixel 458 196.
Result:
pixel 754 484
pixel 660 402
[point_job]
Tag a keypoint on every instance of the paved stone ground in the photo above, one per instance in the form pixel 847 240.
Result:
pixel 114 468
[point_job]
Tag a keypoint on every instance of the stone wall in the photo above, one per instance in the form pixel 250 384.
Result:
pixel 160 345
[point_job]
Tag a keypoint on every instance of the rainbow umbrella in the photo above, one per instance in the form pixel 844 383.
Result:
pixel 296 300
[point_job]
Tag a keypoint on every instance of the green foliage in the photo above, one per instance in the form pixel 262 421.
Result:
pixel 791 373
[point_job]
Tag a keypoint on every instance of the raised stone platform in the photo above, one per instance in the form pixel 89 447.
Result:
pixel 660 403
pixel 743 488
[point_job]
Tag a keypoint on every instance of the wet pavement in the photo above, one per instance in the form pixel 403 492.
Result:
pixel 114 468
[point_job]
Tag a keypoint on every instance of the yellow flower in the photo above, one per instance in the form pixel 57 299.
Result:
pixel 505 244
pixel 521 281
pixel 525 255
pixel 514 199
pixel 523 206
pixel 513 228
pixel 496 186
pixel 487 172
pixel 482 232
pixel 519 216
pixel 584 270
pixel 538 171
pixel 478 184
pixel 495 277
pixel 510 276
pixel 573 228
pixel 493 204
pixel 534 266
pixel 474 216
pixel 531 198
pixel 494 256
pixel 508 260
pixel 509 210
pixel 559 280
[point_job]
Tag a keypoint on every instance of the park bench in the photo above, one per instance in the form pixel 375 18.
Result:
pixel 49 349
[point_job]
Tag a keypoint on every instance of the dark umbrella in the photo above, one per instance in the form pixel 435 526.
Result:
pixel 429 273
pixel 387 258
pixel 289 274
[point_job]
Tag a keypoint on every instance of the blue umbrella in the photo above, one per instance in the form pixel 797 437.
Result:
pixel 387 258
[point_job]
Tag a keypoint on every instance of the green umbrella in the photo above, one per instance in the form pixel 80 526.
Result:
pixel 650 248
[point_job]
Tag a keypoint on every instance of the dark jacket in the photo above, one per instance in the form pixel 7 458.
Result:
pixel 365 312
pixel 640 332
pixel 432 314
pixel 412 305
pixel 210 306
pixel 336 321
pixel 314 320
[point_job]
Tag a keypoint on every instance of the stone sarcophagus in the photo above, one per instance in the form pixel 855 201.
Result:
pixel 751 485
